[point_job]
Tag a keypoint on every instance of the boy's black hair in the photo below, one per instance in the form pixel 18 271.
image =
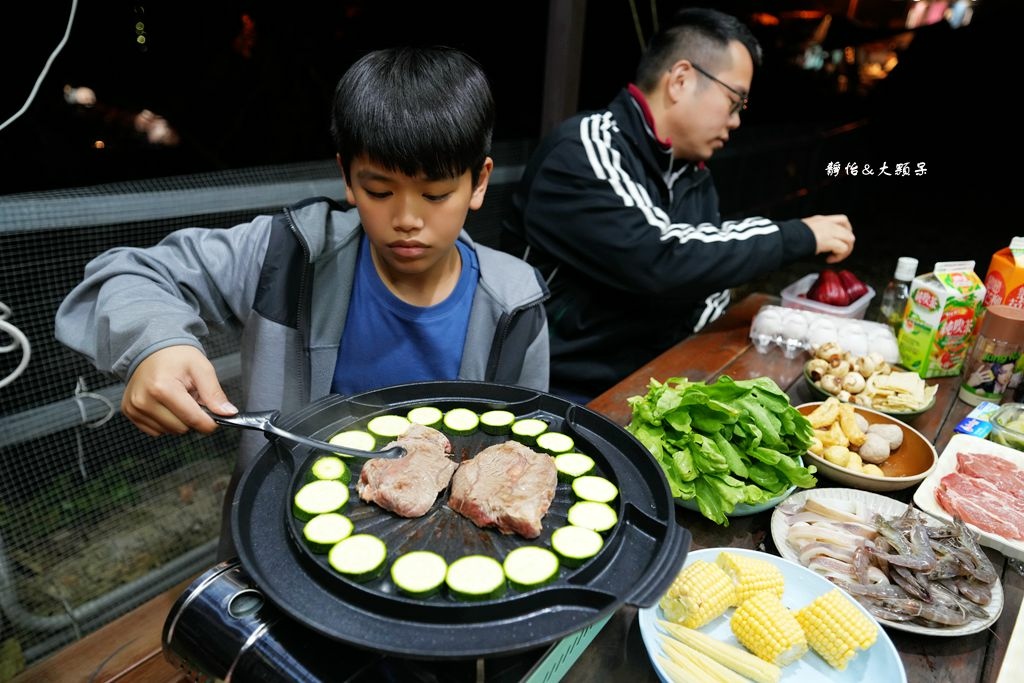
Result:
pixel 698 34
pixel 415 110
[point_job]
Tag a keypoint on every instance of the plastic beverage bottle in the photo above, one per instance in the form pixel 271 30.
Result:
pixel 894 298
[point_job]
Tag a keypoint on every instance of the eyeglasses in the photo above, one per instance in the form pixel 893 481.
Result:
pixel 737 106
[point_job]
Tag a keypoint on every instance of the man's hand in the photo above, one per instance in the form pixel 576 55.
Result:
pixel 164 393
pixel 833 235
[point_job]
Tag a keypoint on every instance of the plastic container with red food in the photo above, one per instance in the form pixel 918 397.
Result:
pixel 795 296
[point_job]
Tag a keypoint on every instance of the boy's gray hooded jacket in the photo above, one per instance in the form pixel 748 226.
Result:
pixel 283 284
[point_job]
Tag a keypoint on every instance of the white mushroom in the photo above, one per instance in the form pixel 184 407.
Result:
pixel 854 382
pixel 831 384
pixel 864 365
pixel 840 368
pixel 817 368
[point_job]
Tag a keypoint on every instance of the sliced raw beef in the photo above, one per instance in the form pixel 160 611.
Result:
pixel 508 486
pixel 978 502
pixel 408 486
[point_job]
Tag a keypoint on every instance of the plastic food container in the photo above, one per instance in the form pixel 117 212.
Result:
pixel 791 298
pixel 795 331
pixel 1008 426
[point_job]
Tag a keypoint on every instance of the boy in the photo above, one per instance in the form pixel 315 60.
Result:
pixel 328 298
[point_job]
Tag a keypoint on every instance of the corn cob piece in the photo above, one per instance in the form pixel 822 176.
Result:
pixel 751 575
pixel 701 592
pixel 764 626
pixel 736 658
pixel 836 629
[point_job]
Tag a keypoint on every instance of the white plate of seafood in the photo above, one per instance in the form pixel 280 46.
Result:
pixel 911 571
pixel 984 490
pixel 880 663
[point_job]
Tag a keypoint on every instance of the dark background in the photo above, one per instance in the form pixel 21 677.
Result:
pixel 241 99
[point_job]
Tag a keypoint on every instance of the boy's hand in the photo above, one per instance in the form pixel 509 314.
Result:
pixel 164 393
pixel 833 235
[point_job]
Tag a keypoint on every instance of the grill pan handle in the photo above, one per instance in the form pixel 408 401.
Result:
pixel 661 576
pixel 264 421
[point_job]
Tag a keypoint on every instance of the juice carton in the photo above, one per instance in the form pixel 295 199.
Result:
pixel 1004 283
pixel 938 324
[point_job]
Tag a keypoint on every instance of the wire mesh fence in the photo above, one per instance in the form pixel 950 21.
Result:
pixel 95 516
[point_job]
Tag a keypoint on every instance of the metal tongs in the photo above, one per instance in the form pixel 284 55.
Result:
pixel 264 421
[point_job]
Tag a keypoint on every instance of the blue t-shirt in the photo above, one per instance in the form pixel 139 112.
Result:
pixel 388 341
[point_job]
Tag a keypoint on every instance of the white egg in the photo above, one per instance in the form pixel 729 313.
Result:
pixel 794 326
pixel 885 344
pixel 854 339
pixel 822 335
pixel 768 323
pixel 822 330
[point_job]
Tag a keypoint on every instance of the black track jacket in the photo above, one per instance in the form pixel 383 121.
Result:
pixel 633 244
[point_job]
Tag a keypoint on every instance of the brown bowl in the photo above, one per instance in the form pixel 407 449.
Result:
pixel 906 466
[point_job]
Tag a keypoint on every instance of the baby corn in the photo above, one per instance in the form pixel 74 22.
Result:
pixel 751 575
pixel 701 592
pixel 836 629
pixel 736 658
pixel 764 626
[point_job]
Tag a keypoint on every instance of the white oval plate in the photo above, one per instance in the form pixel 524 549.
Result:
pixel 880 663
pixel 890 508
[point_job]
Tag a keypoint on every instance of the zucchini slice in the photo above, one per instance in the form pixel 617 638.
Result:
pixel 419 573
pixel 597 489
pixel 331 467
pixel 526 431
pixel 572 465
pixel 497 421
pixel 428 416
pixel 388 427
pixel 530 566
pixel 355 438
pixel 461 421
pixel 361 557
pixel 591 515
pixel 476 577
pixel 318 497
pixel 575 545
pixel 323 531
pixel 555 442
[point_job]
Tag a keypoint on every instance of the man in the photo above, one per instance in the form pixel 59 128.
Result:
pixel 618 210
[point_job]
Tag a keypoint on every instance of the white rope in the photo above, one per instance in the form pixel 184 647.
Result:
pixel 19 341
pixel 81 392
pixel 46 67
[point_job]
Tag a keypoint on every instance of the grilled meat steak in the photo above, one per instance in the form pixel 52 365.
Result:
pixel 408 486
pixel 508 486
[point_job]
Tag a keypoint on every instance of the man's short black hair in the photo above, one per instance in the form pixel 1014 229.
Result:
pixel 415 110
pixel 699 35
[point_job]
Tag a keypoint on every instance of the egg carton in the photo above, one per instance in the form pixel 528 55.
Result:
pixel 797 331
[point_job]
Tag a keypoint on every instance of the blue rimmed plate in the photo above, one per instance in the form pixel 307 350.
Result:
pixel 880 663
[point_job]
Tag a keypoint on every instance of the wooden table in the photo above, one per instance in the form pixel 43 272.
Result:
pixel 128 649
pixel 618 654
